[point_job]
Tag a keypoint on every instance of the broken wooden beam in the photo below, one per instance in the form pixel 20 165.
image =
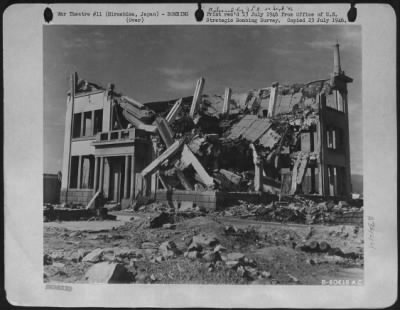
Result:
pixel 197 97
pixel 170 151
pixel 227 99
pixel 174 111
pixel 165 131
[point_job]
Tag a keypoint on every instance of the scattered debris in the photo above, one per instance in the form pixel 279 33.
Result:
pixel 107 272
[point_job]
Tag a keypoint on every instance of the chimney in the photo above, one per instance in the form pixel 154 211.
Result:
pixel 336 60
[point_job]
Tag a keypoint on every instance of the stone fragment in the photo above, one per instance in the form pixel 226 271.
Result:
pixel 232 263
pixel 192 255
pixel 293 278
pixel 57 255
pixel 58 265
pixel 205 240
pixel 219 248
pixel 169 226
pixel 168 249
pixel 106 272
pixel 160 220
pixel 236 256
pixel 211 256
pixel 94 256
pixel 77 255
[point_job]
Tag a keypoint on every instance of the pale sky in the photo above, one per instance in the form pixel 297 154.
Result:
pixel 151 63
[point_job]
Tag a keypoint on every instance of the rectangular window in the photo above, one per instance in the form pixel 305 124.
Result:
pixel 331 137
pixel 334 100
pixel 98 121
pixel 73 174
pixel 87 124
pixel 339 101
pixel 76 126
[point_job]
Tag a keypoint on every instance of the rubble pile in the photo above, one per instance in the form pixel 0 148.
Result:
pixel 232 134
pixel 294 210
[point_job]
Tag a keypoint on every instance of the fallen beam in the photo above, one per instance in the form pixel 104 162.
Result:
pixel 137 123
pixel 173 149
pixel 189 158
pixel 165 131
pixel 174 112
pixel 91 202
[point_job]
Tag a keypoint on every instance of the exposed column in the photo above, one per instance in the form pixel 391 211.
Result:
pixel 132 173
pixel 126 177
pixel 79 172
pixel 272 99
pixel 96 168
pixel 101 173
pixel 227 99
pixel 174 111
pixel 258 170
pixel 92 130
pixel 82 124
pixel 67 136
pixel 197 97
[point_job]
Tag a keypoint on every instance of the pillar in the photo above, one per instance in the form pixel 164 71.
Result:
pixel 92 132
pixel 258 176
pixel 227 99
pixel 126 176
pixel 132 174
pixel 79 172
pixel 272 99
pixel 67 136
pixel 101 173
pixel 96 168
pixel 197 97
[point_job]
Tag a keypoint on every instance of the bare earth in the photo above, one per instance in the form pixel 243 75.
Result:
pixel 274 252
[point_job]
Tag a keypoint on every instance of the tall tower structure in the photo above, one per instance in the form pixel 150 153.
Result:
pixel 335 176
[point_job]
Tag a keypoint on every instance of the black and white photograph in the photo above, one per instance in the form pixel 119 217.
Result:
pixel 203 154
pixel 200 155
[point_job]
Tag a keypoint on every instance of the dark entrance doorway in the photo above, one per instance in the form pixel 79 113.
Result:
pixel 117 176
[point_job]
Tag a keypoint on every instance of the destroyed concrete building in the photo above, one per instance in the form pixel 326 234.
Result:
pixel 281 140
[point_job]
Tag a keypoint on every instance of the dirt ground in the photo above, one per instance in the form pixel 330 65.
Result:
pixel 241 252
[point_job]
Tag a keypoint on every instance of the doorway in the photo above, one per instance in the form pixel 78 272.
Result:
pixel 116 178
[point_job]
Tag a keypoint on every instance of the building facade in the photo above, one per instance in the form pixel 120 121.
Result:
pixel 109 138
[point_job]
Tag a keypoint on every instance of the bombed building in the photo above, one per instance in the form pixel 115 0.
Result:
pixel 278 140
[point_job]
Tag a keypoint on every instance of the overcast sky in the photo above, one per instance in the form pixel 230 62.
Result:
pixel 152 63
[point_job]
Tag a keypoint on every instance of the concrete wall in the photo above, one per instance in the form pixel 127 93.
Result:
pixel 211 200
pixel 78 196
pixel 90 102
